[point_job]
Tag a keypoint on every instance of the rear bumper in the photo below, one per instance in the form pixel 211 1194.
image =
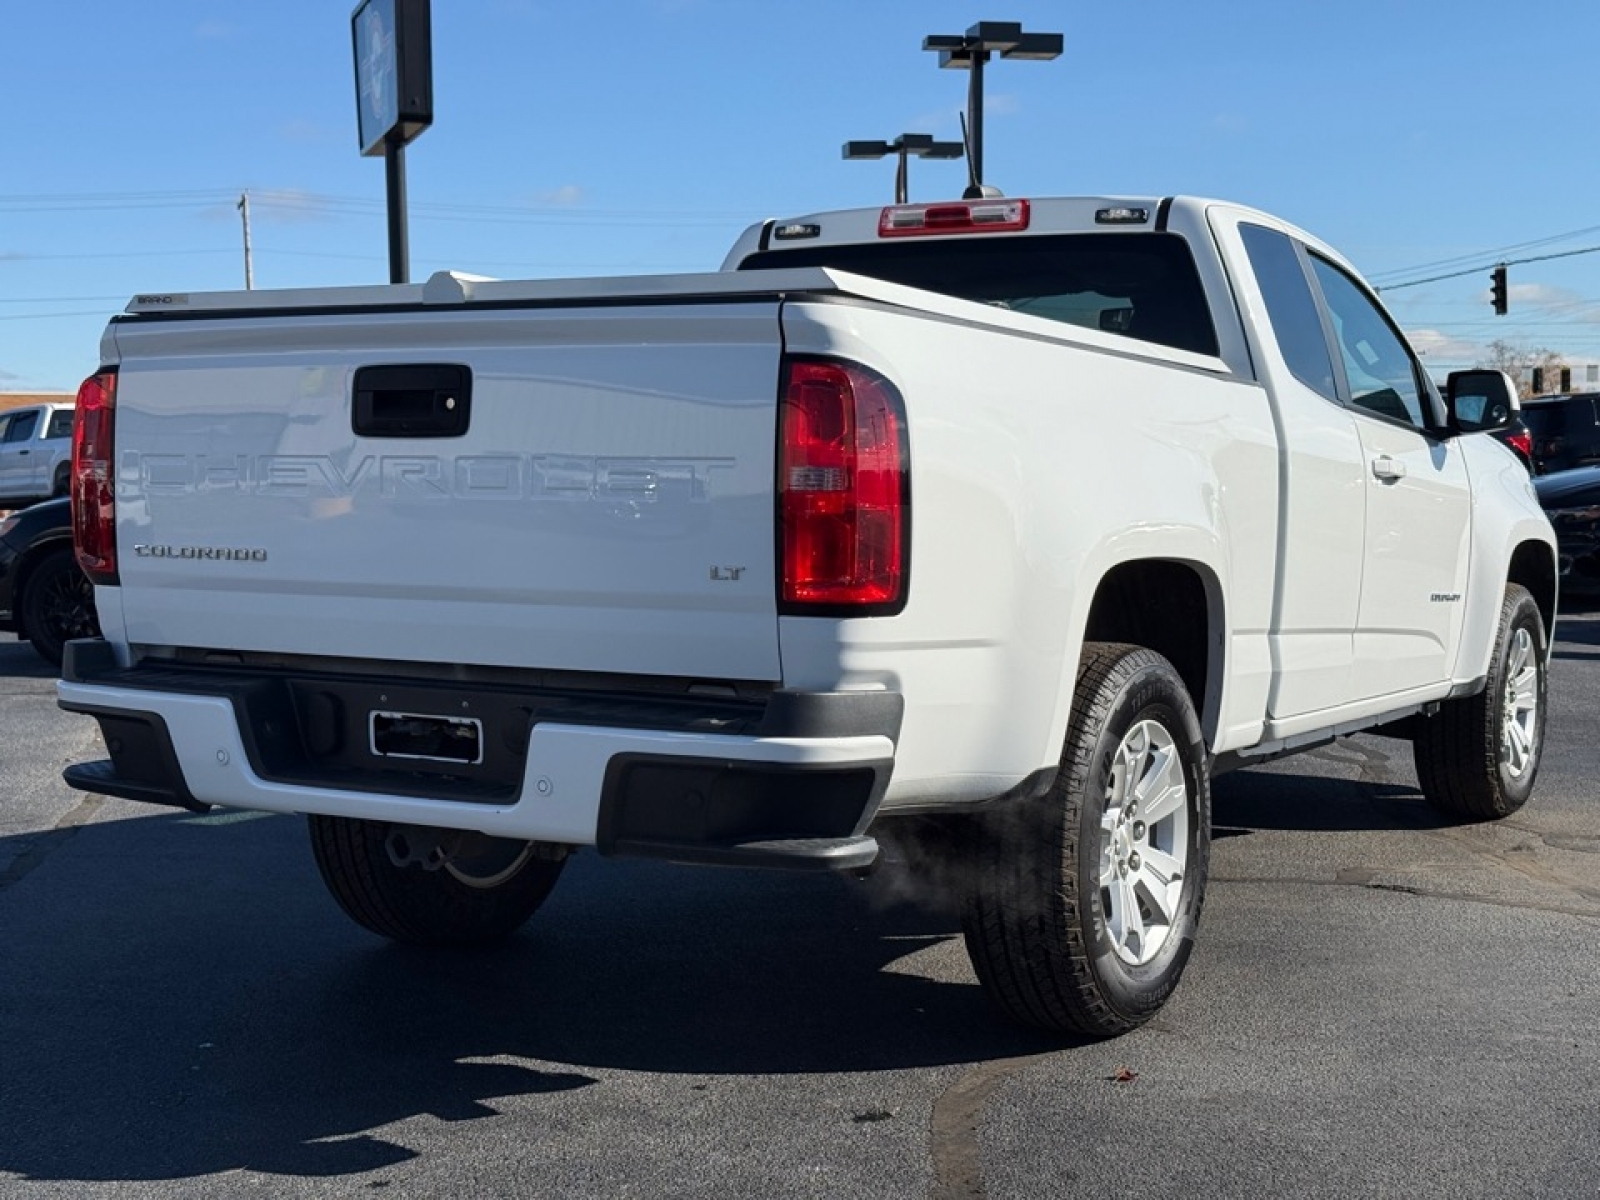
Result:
pixel 797 791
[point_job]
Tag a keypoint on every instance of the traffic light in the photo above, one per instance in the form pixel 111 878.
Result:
pixel 1497 290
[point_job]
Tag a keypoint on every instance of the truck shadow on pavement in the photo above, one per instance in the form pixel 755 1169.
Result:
pixel 1382 796
pixel 1578 633
pixel 179 997
pixel 19 660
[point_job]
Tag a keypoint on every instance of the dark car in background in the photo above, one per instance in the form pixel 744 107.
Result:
pixel 44 597
pixel 1565 429
pixel 1571 499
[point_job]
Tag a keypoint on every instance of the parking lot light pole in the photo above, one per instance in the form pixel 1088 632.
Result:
pixel 969 52
pixel 904 147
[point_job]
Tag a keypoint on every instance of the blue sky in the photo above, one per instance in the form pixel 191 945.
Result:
pixel 628 136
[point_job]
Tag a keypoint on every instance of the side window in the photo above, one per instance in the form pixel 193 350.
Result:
pixel 60 424
pixel 1291 308
pixel 22 427
pixel 1379 369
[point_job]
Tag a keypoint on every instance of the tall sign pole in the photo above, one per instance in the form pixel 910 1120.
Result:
pixel 394 190
pixel 393 42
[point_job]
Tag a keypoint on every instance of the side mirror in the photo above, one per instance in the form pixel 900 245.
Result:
pixel 1481 400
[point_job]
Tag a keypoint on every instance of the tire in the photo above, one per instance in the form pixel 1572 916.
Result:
pixel 1477 757
pixel 57 605
pixel 1059 917
pixel 474 899
pixel 62 483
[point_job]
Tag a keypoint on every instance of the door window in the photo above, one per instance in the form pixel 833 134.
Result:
pixel 1378 367
pixel 21 428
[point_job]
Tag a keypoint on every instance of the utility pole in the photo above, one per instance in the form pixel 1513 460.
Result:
pixel 249 266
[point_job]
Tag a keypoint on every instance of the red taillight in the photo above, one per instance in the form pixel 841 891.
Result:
pixel 94 511
pixel 843 491
pixel 1522 441
pixel 966 216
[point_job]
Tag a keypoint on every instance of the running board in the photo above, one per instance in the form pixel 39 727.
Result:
pixel 1264 752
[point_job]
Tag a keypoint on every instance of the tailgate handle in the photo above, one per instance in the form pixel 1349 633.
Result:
pixel 412 401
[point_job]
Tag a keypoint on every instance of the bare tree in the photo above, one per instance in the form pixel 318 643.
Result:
pixel 1519 362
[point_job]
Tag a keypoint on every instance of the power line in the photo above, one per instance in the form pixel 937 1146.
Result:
pixel 1482 254
pixel 1510 262
pixel 311 203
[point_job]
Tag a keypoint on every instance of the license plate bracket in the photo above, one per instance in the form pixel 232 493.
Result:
pixel 425 737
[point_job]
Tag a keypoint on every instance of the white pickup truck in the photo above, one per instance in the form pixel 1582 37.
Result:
pixel 35 453
pixel 1000 525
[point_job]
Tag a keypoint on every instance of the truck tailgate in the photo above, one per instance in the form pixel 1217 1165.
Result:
pixel 608 506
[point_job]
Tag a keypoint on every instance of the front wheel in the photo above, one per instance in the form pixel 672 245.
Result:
pixel 1083 908
pixel 464 890
pixel 1477 757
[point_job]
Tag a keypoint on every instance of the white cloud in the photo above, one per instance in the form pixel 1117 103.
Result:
pixel 1542 295
pixel 1441 347
pixel 8 376
pixel 568 195
pixel 944 123
pixel 301 130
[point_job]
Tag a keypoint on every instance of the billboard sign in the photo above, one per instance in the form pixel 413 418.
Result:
pixel 394 71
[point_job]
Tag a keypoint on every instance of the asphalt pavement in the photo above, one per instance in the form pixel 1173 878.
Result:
pixel 1379 1005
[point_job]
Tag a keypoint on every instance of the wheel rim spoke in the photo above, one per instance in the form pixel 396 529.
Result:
pixel 1519 718
pixel 1157 899
pixel 1164 787
pixel 1144 840
pixel 1160 866
pixel 1129 928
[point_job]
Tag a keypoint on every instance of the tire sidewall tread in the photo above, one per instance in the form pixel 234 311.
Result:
pixel 1032 918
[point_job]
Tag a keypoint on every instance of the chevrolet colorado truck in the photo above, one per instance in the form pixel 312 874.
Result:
pixel 997 526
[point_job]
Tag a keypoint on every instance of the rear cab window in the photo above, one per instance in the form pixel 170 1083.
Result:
pixel 1291 308
pixel 1139 285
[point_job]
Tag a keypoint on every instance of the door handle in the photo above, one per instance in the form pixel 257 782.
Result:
pixel 412 400
pixel 1387 468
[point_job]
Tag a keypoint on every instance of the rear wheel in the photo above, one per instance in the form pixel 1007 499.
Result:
pixel 57 605
pixel 1477 757
pixel 62 482
pixel 1083 908
pixel 433 887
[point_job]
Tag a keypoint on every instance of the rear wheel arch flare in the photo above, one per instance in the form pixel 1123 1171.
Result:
pixel 1176 608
